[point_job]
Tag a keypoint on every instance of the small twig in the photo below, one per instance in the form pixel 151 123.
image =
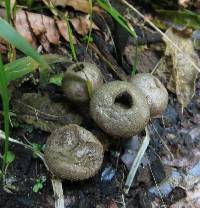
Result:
pixel 123 201
pixel 157 186
pixel 114 68
pixel 158 30
pixel 156 66
pixel 137 161
pixel 163 142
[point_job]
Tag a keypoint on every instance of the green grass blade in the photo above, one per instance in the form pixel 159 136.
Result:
pixel 71 38
pixel 182 17
pixel 8 12
pixel 5 99
pixel 90 27
pixel 25 65
pixel 8 33
pixel 117 16
pixel 20 67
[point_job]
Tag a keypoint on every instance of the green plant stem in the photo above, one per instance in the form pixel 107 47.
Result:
pixel 8 12
pixel 71 38
pixel 90 28
pixel 117 16
pixel 8 33
pixel 5 98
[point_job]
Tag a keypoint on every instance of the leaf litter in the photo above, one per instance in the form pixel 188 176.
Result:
pixel 79 5
pixel 37 27
pixel 47 40
pixel 183 74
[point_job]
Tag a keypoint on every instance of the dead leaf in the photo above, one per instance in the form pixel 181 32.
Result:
pixel 3 48
pixel 2 13
pixel 41 28
pixel 22 26
pixel 184 3
pixel 37 26
pixel 192 200
pixel 52 33
pixel 12 6
pixel 82 24
pixel 183 73
pixel 79 5
pixel 62 26
pixel 185 162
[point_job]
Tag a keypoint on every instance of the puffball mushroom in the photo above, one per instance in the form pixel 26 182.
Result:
pixel 75 81
pixel 154 90
pixel 73 153
pixel 119 109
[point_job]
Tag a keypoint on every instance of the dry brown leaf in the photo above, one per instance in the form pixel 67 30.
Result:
pixel 183 3
pixel 51 30
pixel 3 45
pixel 185 162
pixel 12 4
pixel 36 23
pixel 62 27
pixel 22 26
pixel 3 48
pixel 45 29
pixel 38 29
pixel 82 24
pixel 2 13
pixel 183 73
pixel 192 200
pixel 80 5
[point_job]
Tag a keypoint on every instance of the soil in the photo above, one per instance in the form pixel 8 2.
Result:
pixel 104 190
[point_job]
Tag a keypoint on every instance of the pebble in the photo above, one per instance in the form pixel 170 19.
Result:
pixel 195 133
pixel 108 174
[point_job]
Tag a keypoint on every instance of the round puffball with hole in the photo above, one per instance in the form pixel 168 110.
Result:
pixel 80 79
pixel 119 109
pixel 154 90
pixel 73 153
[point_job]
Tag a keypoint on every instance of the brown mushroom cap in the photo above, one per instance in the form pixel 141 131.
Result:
pixel 154 90
pixel 75 78
pixel 119 109
pixel 73 153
